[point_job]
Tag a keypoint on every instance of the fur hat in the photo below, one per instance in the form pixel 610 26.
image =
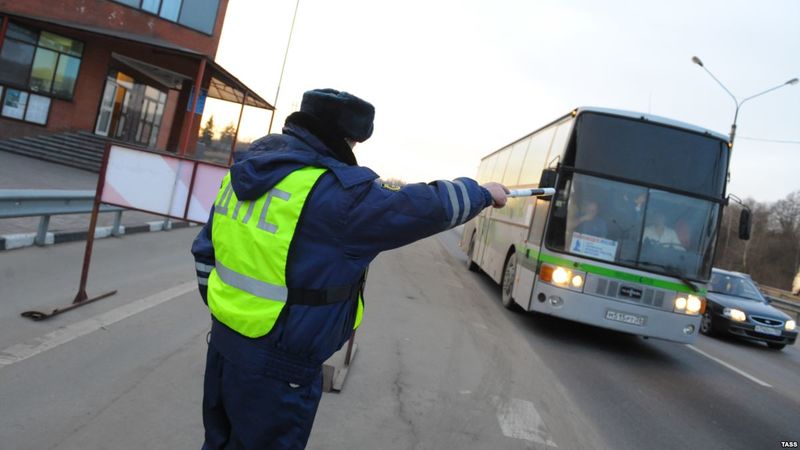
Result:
pixel 345 113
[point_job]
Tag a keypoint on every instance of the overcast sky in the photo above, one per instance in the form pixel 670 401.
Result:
pixel 454 80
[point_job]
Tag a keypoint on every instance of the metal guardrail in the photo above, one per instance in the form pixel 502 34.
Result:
pixel 784 300
pixel 51 202
pixel 786 305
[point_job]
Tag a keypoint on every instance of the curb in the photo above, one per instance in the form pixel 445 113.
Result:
pixel 22 240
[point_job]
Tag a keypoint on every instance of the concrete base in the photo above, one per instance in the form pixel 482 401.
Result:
pixel 334 371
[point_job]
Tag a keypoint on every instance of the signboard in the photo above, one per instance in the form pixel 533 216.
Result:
pixel 593 246
pixel 201 101
pixel 161 184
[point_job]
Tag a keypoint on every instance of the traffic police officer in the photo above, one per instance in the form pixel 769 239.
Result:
pixel 282 260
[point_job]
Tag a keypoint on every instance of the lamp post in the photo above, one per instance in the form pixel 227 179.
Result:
pixel 738 103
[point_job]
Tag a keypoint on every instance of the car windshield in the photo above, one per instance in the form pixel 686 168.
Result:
pixel 734 285
pixel 631 225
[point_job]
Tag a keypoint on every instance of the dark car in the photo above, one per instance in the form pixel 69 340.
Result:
pixel 735 306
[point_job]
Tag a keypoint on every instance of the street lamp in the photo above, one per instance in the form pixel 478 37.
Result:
pixel 739 104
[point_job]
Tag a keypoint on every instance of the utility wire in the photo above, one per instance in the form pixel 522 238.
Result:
pixel 778 141
pixel 283 66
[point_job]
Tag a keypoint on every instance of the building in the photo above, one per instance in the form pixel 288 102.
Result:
pixel 98 70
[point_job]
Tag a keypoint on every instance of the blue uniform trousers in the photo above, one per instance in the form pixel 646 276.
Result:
pixel 245 408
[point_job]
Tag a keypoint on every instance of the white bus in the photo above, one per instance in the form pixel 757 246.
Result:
pixel 628 240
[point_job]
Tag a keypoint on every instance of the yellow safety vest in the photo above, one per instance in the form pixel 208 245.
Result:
pixel 247 287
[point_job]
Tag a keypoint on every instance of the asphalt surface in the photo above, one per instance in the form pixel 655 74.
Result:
pixel 440 364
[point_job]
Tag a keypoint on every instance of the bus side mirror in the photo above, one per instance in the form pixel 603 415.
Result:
pixel 548 179
pixel 745 224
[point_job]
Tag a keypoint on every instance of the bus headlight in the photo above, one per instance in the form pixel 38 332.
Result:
pixel 561 276
pixel 734 314
pixel 790 325
pixel 680 304
pixel 693 304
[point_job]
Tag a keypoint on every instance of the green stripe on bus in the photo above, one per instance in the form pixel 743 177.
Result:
pixel 624 276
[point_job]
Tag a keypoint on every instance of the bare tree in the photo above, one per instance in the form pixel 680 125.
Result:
pixel 772 255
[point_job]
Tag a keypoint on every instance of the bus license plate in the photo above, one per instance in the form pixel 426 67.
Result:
pixel 768 330
pixel 632 319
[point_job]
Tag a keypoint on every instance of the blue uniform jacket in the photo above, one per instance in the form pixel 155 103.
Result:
pixel 349 219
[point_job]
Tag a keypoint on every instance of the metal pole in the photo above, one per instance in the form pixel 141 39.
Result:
pixel 184 142
pixel 41 233
pixel 191 190
pixel 349 349
pixel 283 66
pixel 87 255
pixel 733 126
pixel 3 29
pixel 115 229
pixel 738 103
pixel 236 135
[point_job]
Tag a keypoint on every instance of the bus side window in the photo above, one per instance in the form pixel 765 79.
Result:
pixel 535 157
pixel 518 150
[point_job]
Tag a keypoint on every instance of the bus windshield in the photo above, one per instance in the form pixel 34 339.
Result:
pixel 651 154
pixel 645 228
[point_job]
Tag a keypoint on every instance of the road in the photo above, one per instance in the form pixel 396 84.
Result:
pixel 441 364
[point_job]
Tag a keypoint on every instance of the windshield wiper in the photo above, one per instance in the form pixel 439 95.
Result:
pixel 673 271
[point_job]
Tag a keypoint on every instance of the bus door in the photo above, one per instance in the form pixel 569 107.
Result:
pixel 528 261
pixel 482 237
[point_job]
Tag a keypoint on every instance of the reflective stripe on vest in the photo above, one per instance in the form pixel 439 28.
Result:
pixel 359 311
pixel 247 289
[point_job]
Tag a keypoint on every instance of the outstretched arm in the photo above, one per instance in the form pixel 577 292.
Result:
pixel 382 219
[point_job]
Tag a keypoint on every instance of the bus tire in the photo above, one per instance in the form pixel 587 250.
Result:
pixel 470 263
pixel 507 283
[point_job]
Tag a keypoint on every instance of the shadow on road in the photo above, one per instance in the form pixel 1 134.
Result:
pixel 576 337
pixel 572 336
pixel 729 339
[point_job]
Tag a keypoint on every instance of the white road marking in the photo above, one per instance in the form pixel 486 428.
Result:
pixel 21 352
pixel 519 420
pixel 729 366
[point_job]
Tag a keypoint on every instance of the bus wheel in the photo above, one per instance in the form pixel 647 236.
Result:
pixel 470 263
pixel 509 273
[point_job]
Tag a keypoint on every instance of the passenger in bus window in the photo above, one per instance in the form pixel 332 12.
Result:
pixel 589 222
pixel 659 232
pixel 684 232
pixel 635 207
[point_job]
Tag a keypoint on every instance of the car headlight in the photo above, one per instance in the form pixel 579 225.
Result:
pixel 734 314
pixel 790 325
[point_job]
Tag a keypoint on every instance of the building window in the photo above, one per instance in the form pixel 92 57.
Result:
pixel 24 106
pixel 42 62
pixel 171 9
pixel 200 15
pixel 16 55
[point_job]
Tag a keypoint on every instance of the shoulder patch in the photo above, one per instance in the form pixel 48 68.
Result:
pixel 390 187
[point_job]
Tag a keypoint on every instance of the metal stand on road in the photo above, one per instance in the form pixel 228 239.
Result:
pixel 81 298
pixel 334 370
